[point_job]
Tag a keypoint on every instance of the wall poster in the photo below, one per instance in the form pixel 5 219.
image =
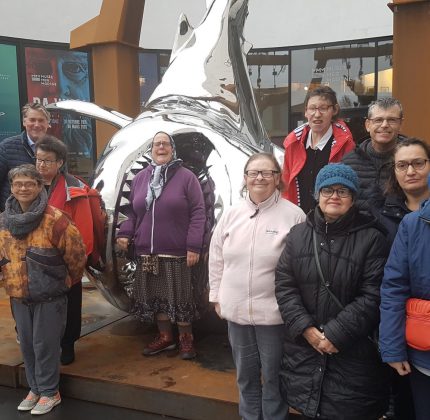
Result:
pixel 10 119
pixel 56 75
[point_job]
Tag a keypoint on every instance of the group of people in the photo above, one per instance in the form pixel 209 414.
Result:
pixel 317 258
pixel 316 305
pixel 46 233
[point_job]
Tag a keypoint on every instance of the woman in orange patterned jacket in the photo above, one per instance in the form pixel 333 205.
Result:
pixel 42 256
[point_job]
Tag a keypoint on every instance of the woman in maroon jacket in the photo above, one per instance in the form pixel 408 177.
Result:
pixel 166 221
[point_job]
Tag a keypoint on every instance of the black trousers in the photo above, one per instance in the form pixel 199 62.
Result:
pixel 420 385
pixel 74 315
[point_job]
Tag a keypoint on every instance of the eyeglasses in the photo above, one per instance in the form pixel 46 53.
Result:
pixel 417 164
pixel 323 109
pixel 28 185
pixel 264 174
pixel 161 143
pixel 75 70
pixel 46 162
pixel 341 192
pixel 392 121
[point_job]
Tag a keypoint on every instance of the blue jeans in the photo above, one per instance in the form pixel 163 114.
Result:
pixel 420 385
pixel 257 353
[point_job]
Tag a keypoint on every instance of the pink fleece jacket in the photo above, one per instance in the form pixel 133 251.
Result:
pixel 244 251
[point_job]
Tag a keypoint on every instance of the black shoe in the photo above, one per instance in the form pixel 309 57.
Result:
pixel 67 355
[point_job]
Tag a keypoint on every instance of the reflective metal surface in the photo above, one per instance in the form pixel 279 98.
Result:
pixel 205 101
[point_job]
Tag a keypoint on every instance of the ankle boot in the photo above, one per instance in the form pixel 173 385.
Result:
pixel 162 342
pixel 186 346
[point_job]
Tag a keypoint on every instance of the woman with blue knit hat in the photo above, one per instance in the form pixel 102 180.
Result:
pixel 327 287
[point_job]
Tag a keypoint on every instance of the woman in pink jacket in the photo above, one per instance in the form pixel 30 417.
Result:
pixel 244 251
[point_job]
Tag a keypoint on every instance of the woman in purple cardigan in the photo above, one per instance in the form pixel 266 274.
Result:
pixel 166 221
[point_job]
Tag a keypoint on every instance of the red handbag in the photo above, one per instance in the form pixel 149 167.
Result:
pixel 418 324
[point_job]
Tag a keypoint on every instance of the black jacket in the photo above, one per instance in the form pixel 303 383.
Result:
pixel 14 151
pixel 391 214
pixel 372 176
pixel 352 384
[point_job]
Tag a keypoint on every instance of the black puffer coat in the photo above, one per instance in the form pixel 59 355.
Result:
pixel 372 173
pixel 352 384
pixel 14 151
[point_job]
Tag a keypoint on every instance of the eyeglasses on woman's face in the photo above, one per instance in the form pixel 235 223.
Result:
pixel 417 164
pixel 28 185
pixel 342 192
pixel 323 109
pixel 45 162
pixel 161 144
pixel 265 173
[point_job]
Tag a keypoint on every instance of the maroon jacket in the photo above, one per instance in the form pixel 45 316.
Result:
pixel 175 222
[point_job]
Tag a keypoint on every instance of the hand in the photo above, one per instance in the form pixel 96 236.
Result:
pixel 217 308
pixel 123 243
pixel 314 336
pixel 326 346
pixel 403 368
pixel 192 258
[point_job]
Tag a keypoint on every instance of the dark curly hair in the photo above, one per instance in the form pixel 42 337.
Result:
pixel 392 186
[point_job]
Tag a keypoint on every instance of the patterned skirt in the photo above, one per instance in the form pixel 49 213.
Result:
pixel 174 289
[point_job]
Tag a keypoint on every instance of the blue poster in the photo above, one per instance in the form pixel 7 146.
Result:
pixel 56 75
pixel 10 119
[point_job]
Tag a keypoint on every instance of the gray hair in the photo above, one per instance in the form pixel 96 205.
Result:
pixel 27 170
pixel 35 106
pixel 384 103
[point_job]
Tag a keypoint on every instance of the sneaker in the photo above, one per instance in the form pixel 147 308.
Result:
pixel 46 404
pixel 186 346
pixel 67 355
pixel 29 402
pixel 161 343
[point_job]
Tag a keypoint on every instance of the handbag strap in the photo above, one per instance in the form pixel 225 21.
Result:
pixel 320 273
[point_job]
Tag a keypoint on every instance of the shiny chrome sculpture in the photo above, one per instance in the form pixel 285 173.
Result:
pixel 205 101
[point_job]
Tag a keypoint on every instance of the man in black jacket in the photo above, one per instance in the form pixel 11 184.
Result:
pixel 372 158
pixel 17 150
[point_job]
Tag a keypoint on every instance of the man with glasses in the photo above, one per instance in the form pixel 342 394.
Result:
pixel 17 150
pixel 323 139
pixel 372 158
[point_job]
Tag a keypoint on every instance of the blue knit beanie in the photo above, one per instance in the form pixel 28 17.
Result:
pixel 336 173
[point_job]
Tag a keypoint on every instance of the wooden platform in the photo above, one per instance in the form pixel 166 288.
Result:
pixel 110 369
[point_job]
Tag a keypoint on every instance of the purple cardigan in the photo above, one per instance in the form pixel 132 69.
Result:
pixel 175 222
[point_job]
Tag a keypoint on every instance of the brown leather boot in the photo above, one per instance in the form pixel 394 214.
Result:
pixel 186 346
pixel 162 342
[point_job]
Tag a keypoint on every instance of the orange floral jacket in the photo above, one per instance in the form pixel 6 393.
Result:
pixel 56 241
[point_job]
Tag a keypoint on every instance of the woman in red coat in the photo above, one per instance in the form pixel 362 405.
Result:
pixel 323 139
pixel 69 194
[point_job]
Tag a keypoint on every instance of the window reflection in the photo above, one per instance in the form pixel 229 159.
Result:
pixel 358 72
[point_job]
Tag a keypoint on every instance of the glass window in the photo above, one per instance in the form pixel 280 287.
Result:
pixel 385 69
pixel 148 75
pixel 349 69
pixel 268 72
